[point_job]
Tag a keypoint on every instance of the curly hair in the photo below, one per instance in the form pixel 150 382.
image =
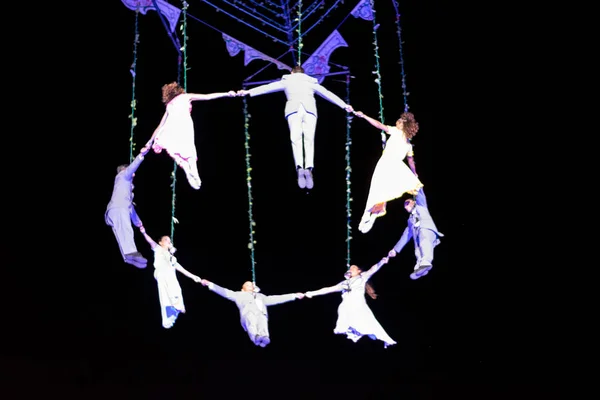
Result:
pixel 410 126
pixel 170 91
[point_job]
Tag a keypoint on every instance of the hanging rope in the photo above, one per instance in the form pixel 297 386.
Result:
pixel 348 173
pixel 133 101
pixel 399 32
pixel 299 31
pixel 249 183
pixel 377 72
pixel 182 58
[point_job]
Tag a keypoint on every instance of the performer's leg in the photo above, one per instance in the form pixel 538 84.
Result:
pixel 309 126
pixel 295 124
pixel 418 252
pixel 190 167
pixel 379 209
pixel 119 220
pixel 369 216
pixel 425 241
pixel 263 330
pixel 250 325
pixel 136 259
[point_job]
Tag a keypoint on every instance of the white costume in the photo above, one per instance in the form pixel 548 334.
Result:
pixel 176 136
pixel 169 291
pixel 391 177
pixel 355 318
pixel 300 111
pixel 253 310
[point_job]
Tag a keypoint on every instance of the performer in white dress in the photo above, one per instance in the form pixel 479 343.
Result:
pixel 391 177
pixel 355 318
pixel 175 133
pixel 165 267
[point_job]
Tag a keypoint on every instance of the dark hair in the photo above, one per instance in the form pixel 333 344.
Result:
pixel 170 91
pixel 410 127
pixel 297 68
pixel 122 167
pixel 369 288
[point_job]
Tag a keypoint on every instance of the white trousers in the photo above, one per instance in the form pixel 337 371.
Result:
pixel 302 126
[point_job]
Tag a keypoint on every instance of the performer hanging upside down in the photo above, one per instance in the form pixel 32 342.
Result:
pixel 424 233
pixel 355 318
pixel 253 308
pixel 120 212
pixel 391 177
pixel 301 115
pixel 165 267
pixel 175 133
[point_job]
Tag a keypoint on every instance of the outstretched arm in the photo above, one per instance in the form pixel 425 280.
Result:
pixel 228 294
pixel 135 218
pixel 406 236
pixel 212 96
pixel 325 290
pixel 372 121
pixel 187 273
pixel 158 128
pixel 281 298
pixel 263 89
pixel 420 198
pixel 367 275
pixel 152 243
pixel 331 97
pixel 411 164
pixel 131 168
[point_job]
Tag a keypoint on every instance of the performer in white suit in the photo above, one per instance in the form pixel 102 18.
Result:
pixel 253 308
pixel 301 114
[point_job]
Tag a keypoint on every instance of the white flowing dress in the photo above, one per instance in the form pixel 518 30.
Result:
pixel 392 177
pixel 169 291
pixel 176 136
pixel 355 318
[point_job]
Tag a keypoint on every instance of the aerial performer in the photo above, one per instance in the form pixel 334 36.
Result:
pixel 391 177
pixel 253 308
pixel 301 115
pixel 355 318
pixel 120 212
pixel 166 266
pixel 422 230
pixel 175 132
